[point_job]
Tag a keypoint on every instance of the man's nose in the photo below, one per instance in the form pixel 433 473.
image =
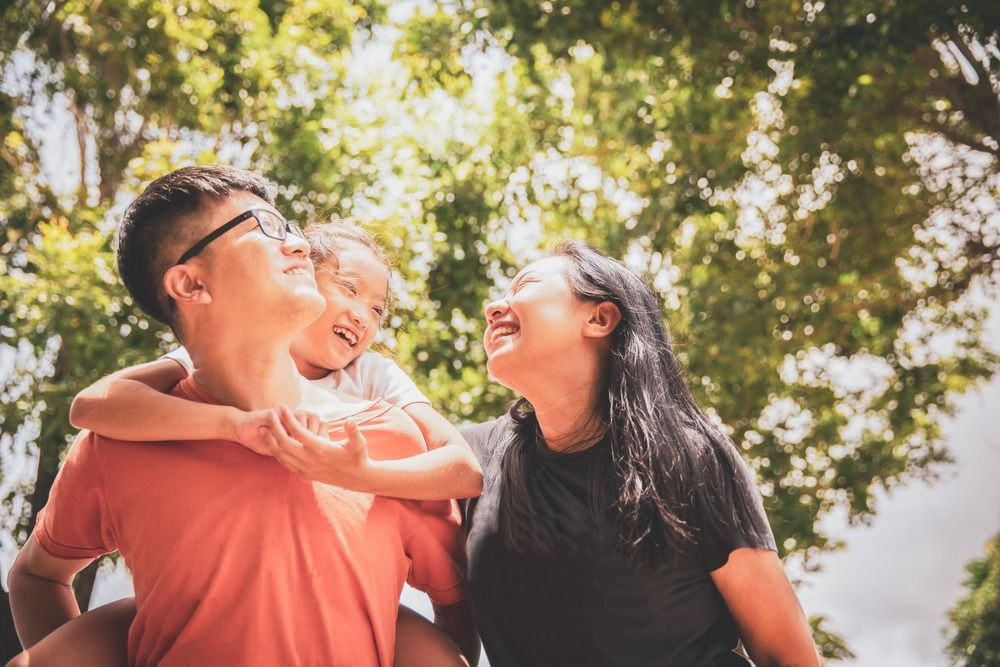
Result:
pixel 293 244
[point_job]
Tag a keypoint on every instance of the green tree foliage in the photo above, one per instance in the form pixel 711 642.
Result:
pixel 975 636
pixel 779 152
pixel 802 183
pixel 831 645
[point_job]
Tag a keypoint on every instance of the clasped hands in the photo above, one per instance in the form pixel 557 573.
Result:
pixel 300 441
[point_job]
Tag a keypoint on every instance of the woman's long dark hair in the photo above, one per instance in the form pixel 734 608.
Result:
pixel 671 479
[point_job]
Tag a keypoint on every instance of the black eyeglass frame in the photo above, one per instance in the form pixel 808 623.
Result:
pixel 287 227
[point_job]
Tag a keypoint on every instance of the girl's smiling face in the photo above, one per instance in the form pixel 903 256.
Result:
pixel 355 287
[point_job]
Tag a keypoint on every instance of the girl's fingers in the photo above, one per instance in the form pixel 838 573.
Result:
pixel 287 455
pixel 278 449
pixel 315 423
pixel 272 444
pixel 288 440
pixel 293 426
pixel 309 421
pixel 355 440
pixel 274 423
pixel 354 433
pixel 286 417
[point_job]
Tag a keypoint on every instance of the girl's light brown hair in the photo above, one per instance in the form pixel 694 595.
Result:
pixel 326 239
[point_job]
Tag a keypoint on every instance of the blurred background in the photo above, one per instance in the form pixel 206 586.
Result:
pixel 811 187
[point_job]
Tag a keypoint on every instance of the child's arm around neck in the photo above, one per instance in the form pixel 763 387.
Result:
pixel 133 404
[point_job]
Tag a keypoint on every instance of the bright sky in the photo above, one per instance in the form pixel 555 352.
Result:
pixel 889 590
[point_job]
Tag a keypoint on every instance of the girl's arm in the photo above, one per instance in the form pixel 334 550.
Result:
pixel 447 470
pixel 766 610
pixel 449 461
pixel 133 404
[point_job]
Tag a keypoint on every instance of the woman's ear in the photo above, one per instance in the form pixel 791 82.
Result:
pixel 604 318
pixel 183 284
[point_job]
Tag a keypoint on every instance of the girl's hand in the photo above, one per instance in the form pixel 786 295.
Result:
pixel 246 427
pixel 340 461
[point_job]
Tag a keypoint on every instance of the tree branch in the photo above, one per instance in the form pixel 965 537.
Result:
pixel 957 137
pixel 80 120
pixel 980 102
pixel 984 83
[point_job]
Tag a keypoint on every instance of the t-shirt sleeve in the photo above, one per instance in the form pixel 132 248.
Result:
pixel 482 437
pixel 436 548
pixel 182 358
pixel 75 522
pixel 382 378
pixel 746 524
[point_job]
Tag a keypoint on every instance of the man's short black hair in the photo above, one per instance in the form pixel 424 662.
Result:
pixel 154 232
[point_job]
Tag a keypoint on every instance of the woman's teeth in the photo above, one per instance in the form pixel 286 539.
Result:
pixel 503 331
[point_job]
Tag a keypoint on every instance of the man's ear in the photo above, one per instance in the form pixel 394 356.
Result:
pixel 604 318
pixel 184 285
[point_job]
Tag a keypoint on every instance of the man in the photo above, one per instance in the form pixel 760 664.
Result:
pixel 235 559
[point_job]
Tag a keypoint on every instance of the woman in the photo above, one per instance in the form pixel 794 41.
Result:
pixel 617 524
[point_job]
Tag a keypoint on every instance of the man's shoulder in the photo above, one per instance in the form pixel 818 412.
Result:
pixel 87 443
pixel 91 456
pixel 93 449
pixel 114 453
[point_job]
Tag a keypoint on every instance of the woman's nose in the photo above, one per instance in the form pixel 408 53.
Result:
pixel 494 309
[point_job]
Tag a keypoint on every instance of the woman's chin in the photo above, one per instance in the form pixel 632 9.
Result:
pixel 501 369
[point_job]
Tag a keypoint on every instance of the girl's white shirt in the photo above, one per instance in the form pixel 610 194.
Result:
pixel 367 379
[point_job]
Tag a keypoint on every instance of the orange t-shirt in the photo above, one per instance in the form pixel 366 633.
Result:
pixel 238 561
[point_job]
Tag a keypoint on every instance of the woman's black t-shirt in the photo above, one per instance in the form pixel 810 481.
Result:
pixel 580 602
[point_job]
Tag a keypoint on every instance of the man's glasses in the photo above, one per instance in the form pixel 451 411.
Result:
pixel 270 223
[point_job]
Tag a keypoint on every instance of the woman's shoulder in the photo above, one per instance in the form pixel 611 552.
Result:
pixel 486 436
pixel 731 514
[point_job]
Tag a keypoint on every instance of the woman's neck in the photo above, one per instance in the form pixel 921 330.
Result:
pixel 569 417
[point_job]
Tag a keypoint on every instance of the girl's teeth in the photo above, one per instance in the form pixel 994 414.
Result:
pixel 347 335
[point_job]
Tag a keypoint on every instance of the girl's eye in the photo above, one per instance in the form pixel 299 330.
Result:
pixel 379 312
pixel 349 286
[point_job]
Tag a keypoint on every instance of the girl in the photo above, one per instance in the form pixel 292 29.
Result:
pixel 352 274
